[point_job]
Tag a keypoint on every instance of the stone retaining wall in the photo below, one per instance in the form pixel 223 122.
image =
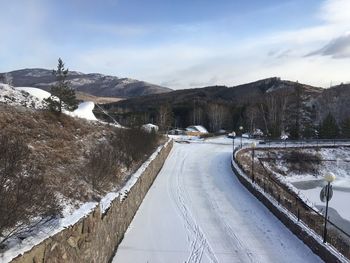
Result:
pixel 95 237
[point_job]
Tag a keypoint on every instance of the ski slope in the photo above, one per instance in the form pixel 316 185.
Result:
pixel 197 211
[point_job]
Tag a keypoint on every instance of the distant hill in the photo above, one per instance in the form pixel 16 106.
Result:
pixel 238 95
pixel 93 83
pixel 272 105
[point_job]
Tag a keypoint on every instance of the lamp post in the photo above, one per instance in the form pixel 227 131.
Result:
pixel 233 141
pixel 329 178
pixel 253 145
pixel 241 129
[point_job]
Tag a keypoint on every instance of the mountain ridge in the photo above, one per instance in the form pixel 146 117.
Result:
pixel 96 84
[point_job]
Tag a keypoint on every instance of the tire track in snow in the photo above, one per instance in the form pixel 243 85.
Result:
pixel 195 236
pixel 242 249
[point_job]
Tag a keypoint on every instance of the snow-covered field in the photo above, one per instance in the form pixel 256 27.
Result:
pixel 197 211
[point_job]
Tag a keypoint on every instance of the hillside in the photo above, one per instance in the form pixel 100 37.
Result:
pixel 238 94
pixel 54 166
pixel 335 100
pixel 93 83
pixel 269 104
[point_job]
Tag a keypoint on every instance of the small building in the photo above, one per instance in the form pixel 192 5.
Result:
pixel 196 130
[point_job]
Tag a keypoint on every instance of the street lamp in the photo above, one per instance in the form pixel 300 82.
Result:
pixel 233 141
pixel 241 129
pixel 329 178
pixel 253 145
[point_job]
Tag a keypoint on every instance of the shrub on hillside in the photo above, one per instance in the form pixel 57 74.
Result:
pixel 302 162
pixel 123 148
pixel 24 197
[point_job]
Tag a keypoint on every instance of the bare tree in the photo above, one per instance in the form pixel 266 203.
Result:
pixel 197 113
pixel 6 78
pixel 164 117
pixel 251 115
pixel 216 114
pixel 274 112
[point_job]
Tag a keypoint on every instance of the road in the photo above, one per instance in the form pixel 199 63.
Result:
pixel 197 211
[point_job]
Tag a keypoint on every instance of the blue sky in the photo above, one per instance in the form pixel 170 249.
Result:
pixel 181 44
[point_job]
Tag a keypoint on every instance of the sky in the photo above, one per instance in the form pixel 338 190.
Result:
pixel 181 43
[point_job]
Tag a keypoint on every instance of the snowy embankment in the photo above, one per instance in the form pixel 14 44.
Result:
pixel 70 218
pixel 197 211
pixel 309 185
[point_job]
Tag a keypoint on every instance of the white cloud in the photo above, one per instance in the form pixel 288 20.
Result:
pixel 336 11
pixel 197 55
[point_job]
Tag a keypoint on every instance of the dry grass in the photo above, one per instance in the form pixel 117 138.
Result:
pixel 100 100
pixel 58 145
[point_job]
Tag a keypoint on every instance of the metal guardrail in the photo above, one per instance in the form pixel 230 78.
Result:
pixel 306 142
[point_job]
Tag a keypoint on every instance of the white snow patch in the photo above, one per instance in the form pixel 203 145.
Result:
pixel 38 93
pixel 84 111
pixel 11 96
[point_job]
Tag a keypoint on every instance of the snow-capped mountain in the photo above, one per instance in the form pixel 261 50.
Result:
pixel 94 83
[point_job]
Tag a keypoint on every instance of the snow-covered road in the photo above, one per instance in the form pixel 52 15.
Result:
pixel 197 211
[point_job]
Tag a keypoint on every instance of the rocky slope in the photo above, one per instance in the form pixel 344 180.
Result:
pixel 94 84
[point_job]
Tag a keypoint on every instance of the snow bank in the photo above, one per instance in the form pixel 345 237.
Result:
pixel 15 97
pixel 83 111
pixel 38 93
pixel 197 128
pixel 149 127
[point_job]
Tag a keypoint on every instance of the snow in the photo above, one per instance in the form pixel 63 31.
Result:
pixel 70 218
pixel 197 128
pixel 47 230
pixel 149 127
pixel 308 186
pixel 12 96
pixel 185 138
pixel 197 211
pixel 38 93
pixel 81 81
pixel 84 111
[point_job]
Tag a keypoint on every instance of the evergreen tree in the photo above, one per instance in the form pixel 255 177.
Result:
pixel 329 129
pixel 62 96
pixel 345 128
pixel 309 131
